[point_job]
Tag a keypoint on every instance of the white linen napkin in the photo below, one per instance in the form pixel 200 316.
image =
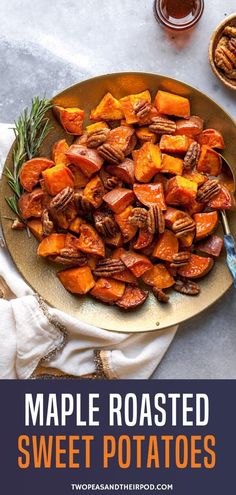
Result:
pixel 33 333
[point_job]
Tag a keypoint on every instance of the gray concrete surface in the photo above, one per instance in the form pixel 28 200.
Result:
pixel 48 45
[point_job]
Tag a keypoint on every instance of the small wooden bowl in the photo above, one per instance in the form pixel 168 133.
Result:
pixel 215 37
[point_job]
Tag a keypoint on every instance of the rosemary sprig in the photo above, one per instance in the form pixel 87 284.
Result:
pixel 30 131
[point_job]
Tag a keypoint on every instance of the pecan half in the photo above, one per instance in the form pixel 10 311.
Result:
pixel 180 259
pixel 105 224
pixel 232 45
pixel 192 156
pixel 160 295
pixel 139 217
pixel 68 257
pixel 225 59
pixel 183 226
pixel 108 267
pixel 96 138
pixel 162 125
pixel 109 181
pixel 18 225
pixel 83 204
pixel 47 223
pixel 155 220
pixel 142 108
pixel 208 190
pixel 111 154
pixel 187 287
pixel 62 199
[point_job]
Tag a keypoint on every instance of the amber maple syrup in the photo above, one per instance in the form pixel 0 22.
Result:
pixel 178 14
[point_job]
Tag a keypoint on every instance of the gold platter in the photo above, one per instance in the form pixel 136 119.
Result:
pixel 40 274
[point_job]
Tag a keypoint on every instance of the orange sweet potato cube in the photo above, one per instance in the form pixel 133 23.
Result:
pixel 127 228
pixel 195 176
pixel 124 171
pixel 206 224
pixel 109 108
pixel 57 178
pixel 191 127
pixel 128 103
pixel 197 267
pixel 172 214
pixel 97 126
pixel 171 165
pixel 224 200
pixel 36 228
pixel 59 150
pixel 150 194
pixel 145 135
pixel 171 104
pixel 31 204
pixel 119 198
pixel 51 245
pixel 174 144
pixel 94 191
pixel 108 290
pixel 166 247
pixel 77 280
pixel 212 138
pixel 159 277
pixel 75 225
pixel 124 137
pixel 186 240
pixel 90 242
pixel 210 162
pixel 147 162
pixel 138 264
pixel 31 170
pixel 71 119
pixel 80 180
pixel 180 191
pixel 144 239
pixel 87 160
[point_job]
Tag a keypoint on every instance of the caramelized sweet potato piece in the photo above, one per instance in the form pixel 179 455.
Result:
pixel 180 191
pixel 174 144
pixel 59 150
pixel 166 246
pixel 191 127
pixel 132 297
pixel 109 108
pixel 212 246
pixel 72 242
pixel 94 191
pixel 150 194
pixel 124 171
pixel 118 199
pixel 108 290
pixel 187 240
pixel 195 177
pixel 77 280
pixel 71 119
pixel 31 171
pixel 36 228
pixel 159 277
pixel 123 220
pixel 210 162
pixel 212 138
pixel 124 137
pixel 88 160
pixel 171 165
pixel 197 267
pixel 172 214
pixel 126 275
pixel 79 178
pixel 144 134
pixel 51 245
pixel 223 201
pixel 137 263
pixel 75 225
pixel 194 207
pixel 90 242
pixel 171 104
pixel 32 204
pixel 128 105
pixel 57 178
pixel 147 162
pixel 206 223
pixel 144 240
pixel 98 126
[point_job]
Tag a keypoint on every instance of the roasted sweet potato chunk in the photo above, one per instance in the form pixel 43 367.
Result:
pixel 147 162
pixel 206 223
pixel 119 198
pixel 150 194
pixel 77 280
pixel 144 240
pixel 36 227
pixel 223 201
pixel 127 228
pixel 195 177
pixel 197 267
pixel 212 138
pixel 88 160
pixel 90 242
pixel 166 246
pixel 80 180
pixel 124 171
pixel 172 214
pixel 159 277
pixel 51 245
pixel 187 240
pixel 59 150
pixel 97 126
pixel 180 191
pixel 32 204
pixel 94 191
pixel 63 219
pixel 174 144
pixel 108 290
pixel 75 225
pixel 126 275
pixel 71 119
pixel 128 105
pixel 171 104
pixel 171 165
pixel 137 263
pixel 132 297
pixel 31 171
pixel 145 135
pixel 210 162
pixel 109 108
pixel 57 178
pixel 191 127
pixel 212 246
pixel 124 137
